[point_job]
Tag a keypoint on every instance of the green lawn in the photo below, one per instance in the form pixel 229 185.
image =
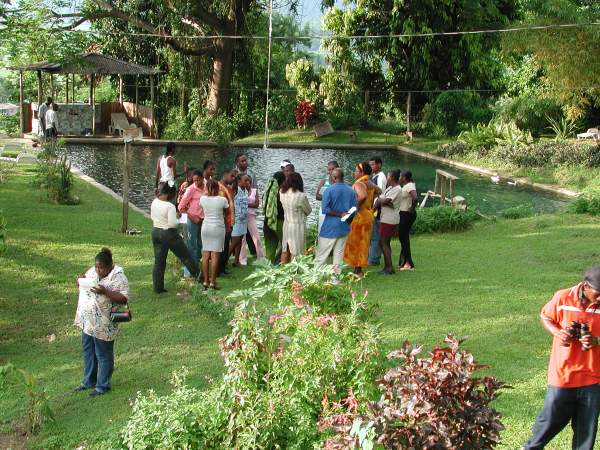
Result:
pixel 488 284
pixel 338 137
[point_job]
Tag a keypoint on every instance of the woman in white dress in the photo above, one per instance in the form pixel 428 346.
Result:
pixel 213 232
pixel 296 209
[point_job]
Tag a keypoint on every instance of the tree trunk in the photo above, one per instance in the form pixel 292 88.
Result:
pixel 218 96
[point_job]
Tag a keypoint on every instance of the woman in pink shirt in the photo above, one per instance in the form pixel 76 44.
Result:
pixel 252 228
pixel 190 205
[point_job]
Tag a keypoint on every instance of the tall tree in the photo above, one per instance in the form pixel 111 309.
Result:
pixel 426 62
pixel 569 56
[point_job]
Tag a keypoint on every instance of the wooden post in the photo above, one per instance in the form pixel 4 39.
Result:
pixel 92 102
pixel 52 94
pixel 408 105
pixel 67 89
pixel 21 101
pixel 153 122
pixel 73 88
pixel 137 98
pixel 124 225
pixel 443 193
pixel 121 90
pixel 39 77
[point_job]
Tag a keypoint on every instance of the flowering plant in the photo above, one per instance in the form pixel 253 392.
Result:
pixel 305 111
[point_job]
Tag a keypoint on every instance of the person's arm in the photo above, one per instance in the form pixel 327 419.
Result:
pixel 555 330
pixel 172 163
pixel 306 205
pixel 256 203
pixel 157 173
pixel 361 193
pixel 113 296
pixel 318 195
pixel 415 201
pixel 184 204
pixel 326 206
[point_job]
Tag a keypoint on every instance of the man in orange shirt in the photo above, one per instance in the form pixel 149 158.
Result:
pixel 573 393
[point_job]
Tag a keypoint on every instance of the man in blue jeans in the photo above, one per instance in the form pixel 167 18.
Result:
pixel 572 317
pixel 378 178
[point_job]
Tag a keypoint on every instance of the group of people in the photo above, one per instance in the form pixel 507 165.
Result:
pixel 217 218
pixel 48 119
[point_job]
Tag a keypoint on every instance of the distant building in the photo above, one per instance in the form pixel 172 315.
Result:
pixel 8 109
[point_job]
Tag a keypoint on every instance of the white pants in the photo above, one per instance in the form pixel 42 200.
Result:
pixel 321 219
pixel 326 245
pixel 253 230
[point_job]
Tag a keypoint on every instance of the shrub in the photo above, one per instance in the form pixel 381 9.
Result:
pixel 177 126
pixel 280 370
pixel 6 169
pixel 452 108
pixel 517 212
pixel 543 154
pixel 563 129
pixel 300 74
pixel 479 136
pixel 53 173
pixel 529 111
pixel 218 128
pixel 10 125
pixel 442 219
pixel 586 205
pixel 304 113
pixel 451 149
pixel 425 403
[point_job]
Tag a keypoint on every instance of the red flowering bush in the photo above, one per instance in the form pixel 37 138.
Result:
pixel 305 111
pixel 426 403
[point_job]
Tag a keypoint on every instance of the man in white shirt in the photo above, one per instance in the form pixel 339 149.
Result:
pixel 52 122
pixel 378 178
pixel 42 116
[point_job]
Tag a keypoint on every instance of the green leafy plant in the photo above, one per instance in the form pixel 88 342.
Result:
pixel 517 212
pixel 53 173
pixel 509 134
pixel 443 219
pixel 9 125
pixel 6 170
pixel 586 205
pixel 563 129
pixel 452 149
pixel 479 136
pixel 218 128
pixel 543 154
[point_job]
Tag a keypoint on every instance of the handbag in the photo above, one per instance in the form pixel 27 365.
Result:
pixel 120 316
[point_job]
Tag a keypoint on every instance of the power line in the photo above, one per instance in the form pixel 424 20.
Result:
pixel 333 36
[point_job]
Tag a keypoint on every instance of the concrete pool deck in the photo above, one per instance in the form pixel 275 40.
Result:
pixel 113 140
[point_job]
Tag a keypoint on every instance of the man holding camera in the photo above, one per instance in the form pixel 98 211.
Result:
pixel 573 395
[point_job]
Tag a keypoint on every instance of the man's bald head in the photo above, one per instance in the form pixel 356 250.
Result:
pixel 337 175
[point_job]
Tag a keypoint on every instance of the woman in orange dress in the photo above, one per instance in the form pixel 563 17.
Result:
pixel 356 252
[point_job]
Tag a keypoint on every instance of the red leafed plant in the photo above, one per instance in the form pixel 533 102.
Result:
pixel 426 403
pixel 304 112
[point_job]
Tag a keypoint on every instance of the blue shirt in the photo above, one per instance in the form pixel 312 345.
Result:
pixel 338 197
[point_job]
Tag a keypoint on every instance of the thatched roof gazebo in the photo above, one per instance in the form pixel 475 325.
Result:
pixel 90 65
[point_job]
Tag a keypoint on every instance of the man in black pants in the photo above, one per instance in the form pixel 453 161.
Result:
pixel 573 393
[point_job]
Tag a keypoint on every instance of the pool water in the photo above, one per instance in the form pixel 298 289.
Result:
pixel 105 164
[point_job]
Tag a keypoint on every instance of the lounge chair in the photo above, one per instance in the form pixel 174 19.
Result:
pixel 591 133
pixel 118 122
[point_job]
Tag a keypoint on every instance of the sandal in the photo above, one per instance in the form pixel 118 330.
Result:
pixel 215 287
pixel 205 285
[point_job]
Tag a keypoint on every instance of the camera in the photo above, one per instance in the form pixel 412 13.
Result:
pixel 578 330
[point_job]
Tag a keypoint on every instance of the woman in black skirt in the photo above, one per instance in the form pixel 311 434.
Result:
pixel 408 214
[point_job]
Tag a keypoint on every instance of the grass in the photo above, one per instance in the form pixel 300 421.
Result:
pixel 488 284
pixel 338 137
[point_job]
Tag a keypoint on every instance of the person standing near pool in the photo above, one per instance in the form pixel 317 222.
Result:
pixel 338 199
pixel 274 216
pixel 42 110
pixel 240 228
pixel 378 178
pixel 296 209
pixel 389 204
pixel 166 166
pixel 98 331
pixel 215 208
pixel 165 237
pixel 573 393
pixel 408 215
pixel 253 204
pixel 208 170
pixel 52 122
pixel 241 165
pixel 227 188
pixel 190 205
pixel 356 253
pixel 324 183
